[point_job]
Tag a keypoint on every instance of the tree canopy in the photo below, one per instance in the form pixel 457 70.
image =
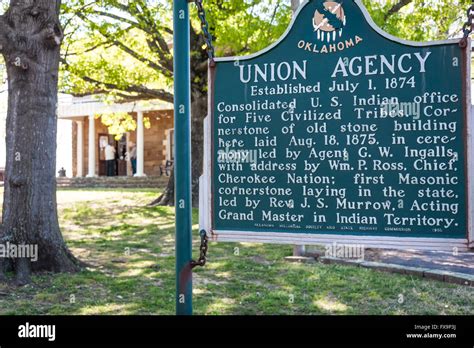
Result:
pixel 420 20
pixel 123 50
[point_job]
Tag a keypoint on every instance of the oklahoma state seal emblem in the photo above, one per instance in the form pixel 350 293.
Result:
pixel 329 20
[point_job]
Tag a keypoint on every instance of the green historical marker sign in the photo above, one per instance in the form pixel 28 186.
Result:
pixel 340 132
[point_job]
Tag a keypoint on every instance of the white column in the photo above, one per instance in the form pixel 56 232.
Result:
pixel 92 149
pixel 80 149
pixel 140 145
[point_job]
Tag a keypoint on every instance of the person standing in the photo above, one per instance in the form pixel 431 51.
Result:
pixel 133 157
pixel 110 159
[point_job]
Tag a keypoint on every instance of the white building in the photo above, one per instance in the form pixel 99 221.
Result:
pixel 81 136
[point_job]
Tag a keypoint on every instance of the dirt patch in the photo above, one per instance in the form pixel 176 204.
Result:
pixel 261 260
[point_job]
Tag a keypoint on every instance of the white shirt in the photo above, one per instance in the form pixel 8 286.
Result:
pixel 109 152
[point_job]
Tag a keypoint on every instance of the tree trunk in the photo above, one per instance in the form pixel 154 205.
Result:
pixel 294 5
pixel 199 62
pixel 198 112
pixel 30 43
pixel 199 107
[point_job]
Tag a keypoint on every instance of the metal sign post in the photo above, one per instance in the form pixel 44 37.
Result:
pixel 182 167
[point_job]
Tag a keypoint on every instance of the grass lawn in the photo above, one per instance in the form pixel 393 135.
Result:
pixel 130 249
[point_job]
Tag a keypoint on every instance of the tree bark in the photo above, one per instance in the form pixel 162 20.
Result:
pixel 30 42
pixel 294 5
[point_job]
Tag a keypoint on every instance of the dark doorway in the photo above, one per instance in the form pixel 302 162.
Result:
pixel 103 140
pixel 122 156
pixel 120 151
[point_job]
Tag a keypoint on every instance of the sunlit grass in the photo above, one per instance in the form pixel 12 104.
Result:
pixel 129 249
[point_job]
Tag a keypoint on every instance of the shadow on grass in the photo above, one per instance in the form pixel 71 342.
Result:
pixel 130 248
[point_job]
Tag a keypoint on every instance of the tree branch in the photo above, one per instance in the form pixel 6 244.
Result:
pixel 164 70
pixel 397 7
pixel 147 23
pixel 142 59
pixel 124 98
pixel 106 43
pixel 142 92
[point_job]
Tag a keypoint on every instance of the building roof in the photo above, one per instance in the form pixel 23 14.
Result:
pixel 70 107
